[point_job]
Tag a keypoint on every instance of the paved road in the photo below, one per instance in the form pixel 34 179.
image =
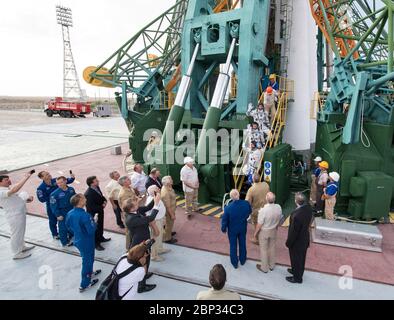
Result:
pixel 31 138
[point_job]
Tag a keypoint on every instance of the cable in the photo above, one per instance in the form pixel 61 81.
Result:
pixel 362 133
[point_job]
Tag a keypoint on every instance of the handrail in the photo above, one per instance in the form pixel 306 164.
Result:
pixel 277 126
pixel 286 92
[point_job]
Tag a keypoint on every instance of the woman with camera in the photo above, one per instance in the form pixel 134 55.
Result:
pixel 136 257
pixel 138 225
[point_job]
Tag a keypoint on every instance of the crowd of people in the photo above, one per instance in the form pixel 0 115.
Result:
pixel 267 216
pixel 259 131
pixel 324 189
pixel 144 205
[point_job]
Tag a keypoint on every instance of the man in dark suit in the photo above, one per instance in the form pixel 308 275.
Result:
pixel 95 204
pixel 138 224
pixel 298 237
pixel 153 179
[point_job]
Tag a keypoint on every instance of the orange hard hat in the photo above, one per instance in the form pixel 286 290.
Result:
pixel 269 90
pixel 324 164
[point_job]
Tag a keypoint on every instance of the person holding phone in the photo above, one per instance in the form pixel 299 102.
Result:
pixel 44 190
pixel 84 228
pixel 138 224
pixel 60 206
pixel 13 203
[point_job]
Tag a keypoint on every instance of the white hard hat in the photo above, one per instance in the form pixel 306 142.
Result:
pixel 334 176
pixel 318 159
pixel 188 160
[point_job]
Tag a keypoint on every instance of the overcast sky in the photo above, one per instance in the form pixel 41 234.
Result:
pixel 31 47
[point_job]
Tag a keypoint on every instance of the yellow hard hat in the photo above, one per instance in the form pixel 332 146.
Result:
pixel 324 164
pixel 272 76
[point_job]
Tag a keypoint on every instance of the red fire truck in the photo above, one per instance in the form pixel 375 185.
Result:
pixel 67 109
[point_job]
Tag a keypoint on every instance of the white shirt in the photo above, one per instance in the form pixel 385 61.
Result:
pixel 138 181
pixel 12 204
pixel 270 216
pixel 190 176
pixel 129 281
pixel 112 189
pixel 160 207
pixel 269 99
pixel 323 178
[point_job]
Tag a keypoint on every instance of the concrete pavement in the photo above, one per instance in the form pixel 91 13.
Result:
pixel 184 269
pixel 27 145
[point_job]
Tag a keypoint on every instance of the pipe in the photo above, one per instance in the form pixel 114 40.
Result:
pixel 178 109
pixel 379 82
pixel 214 111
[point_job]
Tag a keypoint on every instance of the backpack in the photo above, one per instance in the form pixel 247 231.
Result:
pixel 109 288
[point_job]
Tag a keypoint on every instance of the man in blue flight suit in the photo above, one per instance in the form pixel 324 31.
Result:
pixel 84 228
pixel 44 191
pixel 235 223
pixel 60 206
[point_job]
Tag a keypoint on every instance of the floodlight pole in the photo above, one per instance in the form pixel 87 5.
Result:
pixel 71 84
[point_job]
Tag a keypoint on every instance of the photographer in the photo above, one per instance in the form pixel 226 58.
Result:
pixel 136 257
pixel 138 225
pixel 14 205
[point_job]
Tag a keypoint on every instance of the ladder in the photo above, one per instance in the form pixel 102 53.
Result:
pixel 274 138
pixel 283 27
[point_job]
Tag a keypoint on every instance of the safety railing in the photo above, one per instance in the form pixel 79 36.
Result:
pixel 166 100
pixel 317 104
pixel 273 139
pixel 277 128
pixel 238 174
pixel 286 85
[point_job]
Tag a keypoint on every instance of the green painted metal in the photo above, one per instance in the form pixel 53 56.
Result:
pixel 186 28
pixel 249 25
pixel 356 127
pixel 280 158
pixel 131 64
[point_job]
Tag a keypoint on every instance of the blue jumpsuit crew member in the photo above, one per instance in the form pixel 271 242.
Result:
pixel 83 227
pixel 44 191
pixel 235 223
pixel 60 206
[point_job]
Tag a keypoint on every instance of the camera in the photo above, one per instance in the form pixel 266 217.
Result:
pixel 148 244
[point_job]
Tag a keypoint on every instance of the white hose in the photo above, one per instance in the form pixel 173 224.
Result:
pixel 367 143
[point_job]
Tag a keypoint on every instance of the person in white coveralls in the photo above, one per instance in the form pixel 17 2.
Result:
pixel 13 203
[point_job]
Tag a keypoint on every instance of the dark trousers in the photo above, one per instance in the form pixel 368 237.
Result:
pixel 118 214
pixel 319 201
pixel 100 227
pixel 142 283
pixel 297 259
pixel 237 240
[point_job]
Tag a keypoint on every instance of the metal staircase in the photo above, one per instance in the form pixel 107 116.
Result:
pixel 274 138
